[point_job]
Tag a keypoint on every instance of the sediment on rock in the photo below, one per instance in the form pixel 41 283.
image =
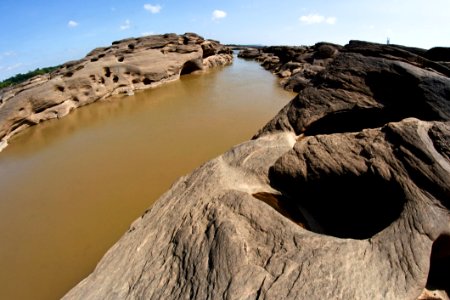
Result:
pixel 125 66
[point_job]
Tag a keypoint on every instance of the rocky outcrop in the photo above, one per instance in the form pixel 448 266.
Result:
pixel 124 67
pixel 296 66
pixel 343 195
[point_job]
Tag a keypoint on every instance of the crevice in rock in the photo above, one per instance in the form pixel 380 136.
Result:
pixel 440 265
pixel 344 205
pixel 115 79
pixel 189 67
pixel 120 59
pixel 401 92
pixel 353 120
pixel 285 207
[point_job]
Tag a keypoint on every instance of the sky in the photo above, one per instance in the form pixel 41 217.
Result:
pixel 44 33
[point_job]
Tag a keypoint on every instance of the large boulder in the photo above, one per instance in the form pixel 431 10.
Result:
pixel 343 195
pixel 124 67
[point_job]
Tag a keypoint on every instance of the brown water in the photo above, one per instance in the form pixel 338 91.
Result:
pixel 70 188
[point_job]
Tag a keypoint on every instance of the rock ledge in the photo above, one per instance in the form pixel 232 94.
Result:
pixel 122 68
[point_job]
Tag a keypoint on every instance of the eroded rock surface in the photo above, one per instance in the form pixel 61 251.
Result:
pixel 124 67
pixel 345 194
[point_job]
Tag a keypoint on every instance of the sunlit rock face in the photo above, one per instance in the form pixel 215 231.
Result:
pixel 122 68
pixel 345 194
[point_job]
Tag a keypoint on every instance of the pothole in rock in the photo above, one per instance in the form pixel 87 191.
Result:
pixel 353 120
pixel 285 207
pixel 345 205
pixel 438 279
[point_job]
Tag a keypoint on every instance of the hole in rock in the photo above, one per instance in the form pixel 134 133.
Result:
pixel 189 67
pixel 131 46
pixel 68 74
pixel 94 59
pixel 440 265
pixel 353 120
pixel 115 78
pixel 403 93
pixel 134 81
pixel 101 55
pixel 107 71
pixel 345 205
pixel 283 206
pixel 59 88
pixel 147 81
pixel 120 59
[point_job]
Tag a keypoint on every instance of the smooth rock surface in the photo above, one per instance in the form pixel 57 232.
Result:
pixel 121 68
pixel 343 195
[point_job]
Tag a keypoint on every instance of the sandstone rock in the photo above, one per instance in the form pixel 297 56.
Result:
pixel 438 54
pixel 250 53
pixel 343 195
pixel 124 67
pixel 296 65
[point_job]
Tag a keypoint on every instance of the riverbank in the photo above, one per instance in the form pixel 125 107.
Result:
pixel 122 68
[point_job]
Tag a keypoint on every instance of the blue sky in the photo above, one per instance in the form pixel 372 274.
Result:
pixel 49 32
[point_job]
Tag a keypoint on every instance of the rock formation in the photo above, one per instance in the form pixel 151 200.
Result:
pixel 125 66
pixel 345 194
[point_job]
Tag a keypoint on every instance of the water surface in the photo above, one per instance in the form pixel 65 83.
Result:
pixel 70 188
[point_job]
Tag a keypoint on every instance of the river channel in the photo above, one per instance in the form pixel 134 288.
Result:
pixel 70 188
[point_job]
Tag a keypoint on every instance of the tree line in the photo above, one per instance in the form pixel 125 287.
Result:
pixel 16 79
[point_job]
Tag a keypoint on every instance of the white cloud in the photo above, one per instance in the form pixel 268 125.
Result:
pixel 72 24
pixel 330 20
pixel 147 33
pixel 218 14
pixel 125 25
pixel 317 19
pixel 154 9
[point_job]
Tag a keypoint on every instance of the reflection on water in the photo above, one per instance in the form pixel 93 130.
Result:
pixel 70 188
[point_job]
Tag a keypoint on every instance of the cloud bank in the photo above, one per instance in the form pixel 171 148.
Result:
pixel 218 14
pixel 317 19
pixel 154 9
